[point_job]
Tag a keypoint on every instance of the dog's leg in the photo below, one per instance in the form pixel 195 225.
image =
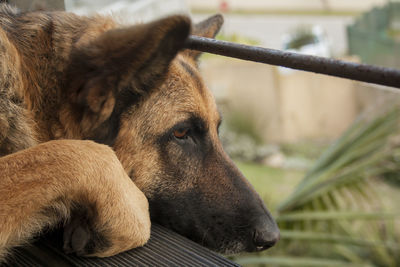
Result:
pixel 79 182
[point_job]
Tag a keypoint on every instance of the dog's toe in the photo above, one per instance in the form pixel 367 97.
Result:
pixel 78 238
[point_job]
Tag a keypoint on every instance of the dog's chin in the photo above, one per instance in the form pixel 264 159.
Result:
pixel 233 248
pixel 228 247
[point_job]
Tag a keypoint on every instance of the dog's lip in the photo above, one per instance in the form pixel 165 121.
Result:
pixel 261 248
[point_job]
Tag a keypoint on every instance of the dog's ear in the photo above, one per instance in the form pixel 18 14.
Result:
pixel 123 64
pixel 207 28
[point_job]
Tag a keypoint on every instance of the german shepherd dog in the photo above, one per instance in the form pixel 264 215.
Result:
pixel 104 126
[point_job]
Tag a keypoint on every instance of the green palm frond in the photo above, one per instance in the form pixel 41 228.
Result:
pixel 337 215
pixel 356 156
pixel 334 238
pixel 336 203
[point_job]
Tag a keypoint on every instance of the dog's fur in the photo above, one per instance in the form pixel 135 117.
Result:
pixel 65 79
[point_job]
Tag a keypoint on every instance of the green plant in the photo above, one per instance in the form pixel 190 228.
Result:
pixel 237 39
pixel 243 124
pixel 335 214
pixel 240 137
pixel 301 38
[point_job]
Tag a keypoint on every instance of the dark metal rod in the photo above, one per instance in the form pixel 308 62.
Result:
pixel 328 66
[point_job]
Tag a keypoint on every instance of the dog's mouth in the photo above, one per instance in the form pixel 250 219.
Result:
pixel 231 248
pixel 219 235
pixel 229 242
pixel 228 245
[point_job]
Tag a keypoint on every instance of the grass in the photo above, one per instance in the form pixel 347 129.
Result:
pixel 272 184
pixel 305 149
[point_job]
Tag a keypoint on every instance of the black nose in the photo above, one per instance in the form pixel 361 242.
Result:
pixel 265 234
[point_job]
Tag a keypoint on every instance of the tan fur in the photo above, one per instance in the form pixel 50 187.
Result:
pixel 64 76
pixel 40 185
pixel 27 190
pixel 169 107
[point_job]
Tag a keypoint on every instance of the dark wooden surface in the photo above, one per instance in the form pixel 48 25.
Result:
pixel 165 248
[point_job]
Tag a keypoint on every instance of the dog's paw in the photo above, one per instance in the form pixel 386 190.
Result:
pixel 112 217
pixel 91 232
pixel 76 238
pixel 81 239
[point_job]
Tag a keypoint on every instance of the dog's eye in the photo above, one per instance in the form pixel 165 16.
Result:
pixel 181 133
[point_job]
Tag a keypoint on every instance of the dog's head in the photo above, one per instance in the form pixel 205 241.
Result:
pixel 143 95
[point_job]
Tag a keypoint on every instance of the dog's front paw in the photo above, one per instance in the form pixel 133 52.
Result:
pixel 80 237
pixel 86 234
pixel 112 215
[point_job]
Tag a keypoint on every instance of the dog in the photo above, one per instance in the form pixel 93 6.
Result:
pixel 106 127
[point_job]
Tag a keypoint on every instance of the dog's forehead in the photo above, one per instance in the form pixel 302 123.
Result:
pixel 182 95
pixel 189 92
pixel 192 83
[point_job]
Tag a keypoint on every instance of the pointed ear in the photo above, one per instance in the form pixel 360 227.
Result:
pixel 121 65
pixel 207 28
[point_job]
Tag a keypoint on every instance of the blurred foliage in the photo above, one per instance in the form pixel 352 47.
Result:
pixel 273 184
pixel 241 138
pixel 335 217
pixel 300 37
pixel 305 149
pixel 242 124
pixel 393 33
pixel 237 39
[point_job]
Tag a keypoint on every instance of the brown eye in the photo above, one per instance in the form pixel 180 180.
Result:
pixel 181 134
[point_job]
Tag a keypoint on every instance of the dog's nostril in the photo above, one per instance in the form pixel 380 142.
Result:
pixel 265 236
pixel 264 239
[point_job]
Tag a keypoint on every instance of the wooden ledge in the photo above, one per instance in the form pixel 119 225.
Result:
pixel 165 248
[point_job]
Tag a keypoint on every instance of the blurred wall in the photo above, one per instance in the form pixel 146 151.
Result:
pixel 269 29
pixel 334 5
pixel 290 107
pixel 128 11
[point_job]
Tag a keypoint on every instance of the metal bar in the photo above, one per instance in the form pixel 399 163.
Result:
pixel 328 66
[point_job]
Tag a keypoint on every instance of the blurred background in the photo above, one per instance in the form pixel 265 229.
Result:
pixel 323 152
